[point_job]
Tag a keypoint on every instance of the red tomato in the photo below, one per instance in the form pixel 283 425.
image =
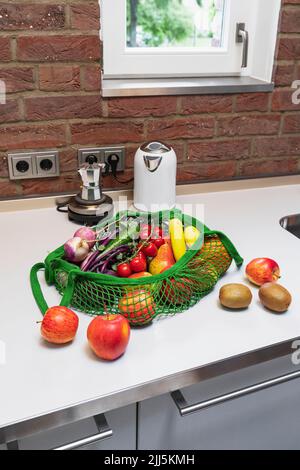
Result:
pixel 157 232
pixel 145 232
pixel 124 270
pixel 158 242
pixel 150 250
pixel 138 264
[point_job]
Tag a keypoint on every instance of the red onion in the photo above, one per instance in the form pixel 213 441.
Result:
pixel 87 234
pixel 76 250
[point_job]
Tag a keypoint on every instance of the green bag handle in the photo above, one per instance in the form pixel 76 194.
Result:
pixel 37 291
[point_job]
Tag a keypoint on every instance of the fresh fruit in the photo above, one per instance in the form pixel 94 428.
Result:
pixel 87 234
pixel 108 336
pixel 137 306
pixel 59 325
pixel 191 235
pixel 178 291
pixel 150 250
pixel 177 238
pixel 138 264
pixel 262 270
pixel 124 270
pixel 139 275
pixel 145 232
pixel 158 242
pixel 164 260
pixel 213 250
pixel 76 250
pixel 235 296
pixel 275 297
pixel 157 232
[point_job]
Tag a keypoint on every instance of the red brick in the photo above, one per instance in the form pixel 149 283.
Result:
pixel 107 132
pixel 10 111
pixel 68 160
pixel 284 74
pixel 31 16
pixel 3 167
pixel 17 79
pixel 63 184
pixel 219 150
pixel 269 167
pixel 59 77
pixel 141 107
pixel 8 189
pixel 206 171
pixel 206 104
pixel 58 48
pixel 28 136
pixel 92 77
pixel 290 21
pixel 5 49
pixel 277 147
pixel 283 100
pixel 289 48
pixel 62 107
pixel 291 2
pixel 291 123
pixel 249 125
pixel 252 102
pixel 85 16
pixel 182 128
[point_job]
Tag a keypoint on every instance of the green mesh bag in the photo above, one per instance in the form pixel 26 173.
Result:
pixel 143 299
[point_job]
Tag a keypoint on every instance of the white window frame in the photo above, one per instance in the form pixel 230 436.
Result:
pixel 261 18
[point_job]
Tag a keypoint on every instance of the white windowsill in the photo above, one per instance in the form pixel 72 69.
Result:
pixel 118 87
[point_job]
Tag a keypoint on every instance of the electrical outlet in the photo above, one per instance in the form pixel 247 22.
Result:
pixel 102 154
pixel 33 165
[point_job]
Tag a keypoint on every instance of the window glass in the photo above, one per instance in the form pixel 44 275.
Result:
pixel 175 23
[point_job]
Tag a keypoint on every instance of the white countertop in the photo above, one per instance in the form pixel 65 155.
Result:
pixel 38 378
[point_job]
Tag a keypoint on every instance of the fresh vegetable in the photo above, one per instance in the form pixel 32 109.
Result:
pixel 191 235
pixel 150 249
pixel 145 232
pixel 126 236
pixel 262 270
pixel 59 325
pixel 138 264
pixel 164 260
pixel 158 242
pixel 87 234
pixel 103 262
pixel 124 270
pixel 275 297
pixel 235 296
pixel 177 238
pixel 76 250
pixel 137 306
pixel 108 336
pixel 139 275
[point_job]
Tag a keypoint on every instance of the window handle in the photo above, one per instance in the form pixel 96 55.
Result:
pixel 242 37
pixel 185 409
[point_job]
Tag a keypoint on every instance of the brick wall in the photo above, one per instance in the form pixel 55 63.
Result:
pixel 49 56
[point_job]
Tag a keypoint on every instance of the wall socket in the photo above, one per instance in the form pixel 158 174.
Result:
pixel 102 155
pixel 33 165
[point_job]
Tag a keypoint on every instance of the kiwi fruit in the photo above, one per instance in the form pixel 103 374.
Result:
pixel 275 297
pixel 235 296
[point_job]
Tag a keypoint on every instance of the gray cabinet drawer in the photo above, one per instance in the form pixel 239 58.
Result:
pixel 268 419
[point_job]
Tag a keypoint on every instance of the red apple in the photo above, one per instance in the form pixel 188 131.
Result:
pixel 108 336
pixel 59 325
pixel 138 306
pixel 262 270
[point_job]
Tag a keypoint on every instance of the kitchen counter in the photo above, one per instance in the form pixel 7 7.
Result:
pixel 43 386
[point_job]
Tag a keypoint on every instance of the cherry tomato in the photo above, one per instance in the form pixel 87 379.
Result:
pixel 158 242
pixel 150 250
pixel 138 264
pixel 124 270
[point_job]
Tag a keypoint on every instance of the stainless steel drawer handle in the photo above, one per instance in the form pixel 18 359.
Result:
pixel 185 409
pixel 104 433
pixel 242 36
